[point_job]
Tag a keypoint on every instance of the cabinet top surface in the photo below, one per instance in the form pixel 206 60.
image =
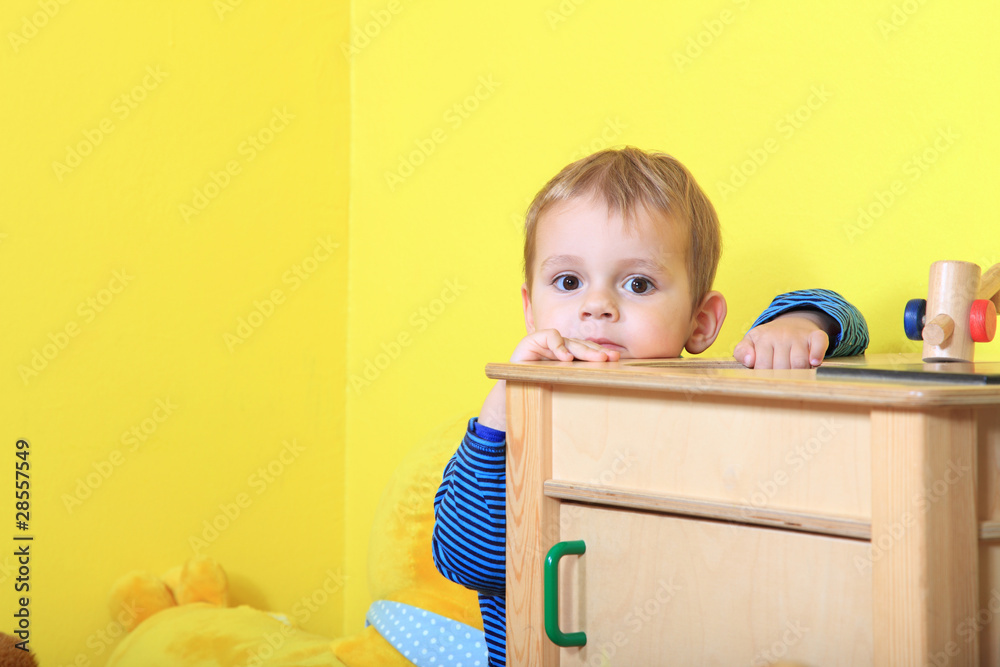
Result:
pixel 727 377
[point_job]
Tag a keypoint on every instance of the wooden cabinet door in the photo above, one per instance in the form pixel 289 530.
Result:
pixel 655 589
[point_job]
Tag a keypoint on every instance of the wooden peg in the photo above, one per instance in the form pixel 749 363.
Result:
pixel 952 288
pixel 939 330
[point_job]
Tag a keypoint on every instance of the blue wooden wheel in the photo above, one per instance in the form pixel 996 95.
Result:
pixel 913 318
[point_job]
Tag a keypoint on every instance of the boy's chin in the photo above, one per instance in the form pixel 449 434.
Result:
pixel 671 353
pixel 625 356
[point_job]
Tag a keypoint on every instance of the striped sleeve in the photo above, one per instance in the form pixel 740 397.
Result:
pixel 852 338
pixel 470 516
pixel 494 611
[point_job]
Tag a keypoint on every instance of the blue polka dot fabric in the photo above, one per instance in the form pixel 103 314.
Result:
pixel 427 639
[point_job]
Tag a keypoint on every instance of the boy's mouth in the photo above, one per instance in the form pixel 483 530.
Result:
pixel 604 342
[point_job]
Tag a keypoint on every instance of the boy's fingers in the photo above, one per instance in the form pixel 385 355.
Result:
pixel 782 357
pixel 553 346
pixel 744 352
pixel 549 344
pixel 799 355
pixel 818 344
pixel 597 352
pixel 765 355
pixel 589 351
pixel 558 346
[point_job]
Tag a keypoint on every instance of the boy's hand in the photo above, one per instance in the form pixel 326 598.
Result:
pixel 538 346
pixel 794 340
pixel 549 344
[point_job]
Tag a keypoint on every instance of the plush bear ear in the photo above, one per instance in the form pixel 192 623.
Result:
pixel 136 596
pixel 12 655
pixel 172 578
pixel 202 580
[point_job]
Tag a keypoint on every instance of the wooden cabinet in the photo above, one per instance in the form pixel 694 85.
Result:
pixel 670 590
pixel 737 517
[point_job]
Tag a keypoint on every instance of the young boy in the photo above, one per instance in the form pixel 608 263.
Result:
pixel 620 254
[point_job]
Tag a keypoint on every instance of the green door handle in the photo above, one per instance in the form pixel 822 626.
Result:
pixel 551 571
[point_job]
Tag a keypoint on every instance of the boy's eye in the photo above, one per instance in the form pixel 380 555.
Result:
pixel 638 285
pixel 567 283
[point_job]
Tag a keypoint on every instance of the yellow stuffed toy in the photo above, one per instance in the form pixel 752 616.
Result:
pixel 182 618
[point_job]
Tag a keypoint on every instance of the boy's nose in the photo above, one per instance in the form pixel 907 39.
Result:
pixel 599 305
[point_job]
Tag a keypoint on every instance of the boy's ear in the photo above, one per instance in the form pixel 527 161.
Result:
pixel 529 320
pixel 706 323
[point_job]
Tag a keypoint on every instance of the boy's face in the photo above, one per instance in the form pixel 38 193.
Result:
pixel 595 280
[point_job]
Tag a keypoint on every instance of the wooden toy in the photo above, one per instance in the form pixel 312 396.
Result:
pixel 710 514
pixel 960 310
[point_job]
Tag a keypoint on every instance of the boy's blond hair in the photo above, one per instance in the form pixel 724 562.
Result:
pixel 630 179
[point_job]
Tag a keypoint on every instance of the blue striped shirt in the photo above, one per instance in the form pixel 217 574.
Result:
pixel 852 339
pixel 469 528
pixel 470 505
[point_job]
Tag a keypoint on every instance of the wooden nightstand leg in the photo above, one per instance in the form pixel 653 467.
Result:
pixel 532 522
pixel 925 537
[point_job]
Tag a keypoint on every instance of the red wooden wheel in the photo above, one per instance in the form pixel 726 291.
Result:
pixel 983 320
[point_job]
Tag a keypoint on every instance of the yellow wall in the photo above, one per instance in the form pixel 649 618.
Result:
pixel 160 101
pixel 458 112
pixel 570 76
